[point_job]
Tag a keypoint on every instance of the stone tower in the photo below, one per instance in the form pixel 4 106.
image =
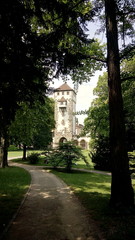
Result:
pixel 65 107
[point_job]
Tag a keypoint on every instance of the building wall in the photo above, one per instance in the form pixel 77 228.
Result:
pixel 83 142
pixel 64 117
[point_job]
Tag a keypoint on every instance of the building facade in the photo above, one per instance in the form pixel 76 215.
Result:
pixel 66 124
pixel 65 107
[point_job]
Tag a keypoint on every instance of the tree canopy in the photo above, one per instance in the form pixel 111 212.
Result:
pixel 42 37
pixel 33 125
pixel 37 39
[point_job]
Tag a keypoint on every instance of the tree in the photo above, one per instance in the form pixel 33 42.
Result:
pixel 128 86
pixel 45 123
pixel 32 124
pixel 20 74
pixel 97 125
pixel 119 21
pixel 66 155
pixel 36 39
pixel 97 121
pixel 121 188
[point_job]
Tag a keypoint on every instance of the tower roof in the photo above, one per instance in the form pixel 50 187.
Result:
pixel 64 87
pixel 62 99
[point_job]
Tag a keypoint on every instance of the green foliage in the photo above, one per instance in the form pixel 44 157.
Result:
pixel 39 40
pixel 100 154
pixel 128 86
pixel 12 148
pixel 90 64
pixel 44 115
pixel 132 162
pixel 34 124
pixel 66 155
pixel 33 158
pixel 97 122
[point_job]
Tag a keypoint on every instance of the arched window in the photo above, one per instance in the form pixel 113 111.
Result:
pixel 76 142
pixel 62 140
pixel 83 143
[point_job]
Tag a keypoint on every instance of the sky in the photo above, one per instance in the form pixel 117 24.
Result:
pixel 85 90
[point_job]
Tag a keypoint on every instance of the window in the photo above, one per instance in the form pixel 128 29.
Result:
pixel 67 93
pixel 57 93
pixel 63 110
pixel 63 122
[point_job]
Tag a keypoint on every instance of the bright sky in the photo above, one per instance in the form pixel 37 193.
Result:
pixel 85 90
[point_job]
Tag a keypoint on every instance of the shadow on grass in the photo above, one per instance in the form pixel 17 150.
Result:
pixel 93 190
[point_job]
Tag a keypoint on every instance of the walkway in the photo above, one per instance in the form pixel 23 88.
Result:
pixel 50 212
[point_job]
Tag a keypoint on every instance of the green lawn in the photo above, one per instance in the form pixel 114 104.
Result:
pixel 80 164
pixel 19 153
pixel 14 183
pixel 93 190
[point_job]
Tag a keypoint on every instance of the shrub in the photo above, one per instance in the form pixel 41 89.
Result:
pixel 100 154
pixel 12 148
pixel 131 156
pixel 66 155
pixel 33 158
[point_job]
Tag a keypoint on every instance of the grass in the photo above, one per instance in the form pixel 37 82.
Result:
pixel 93 190
pixel 19 153
pixel 80 164
pixel 40 163
pixel 14 183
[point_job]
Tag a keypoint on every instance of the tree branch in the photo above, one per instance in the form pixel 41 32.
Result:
pixel 97 59
pixel 127 51
pixel 127 78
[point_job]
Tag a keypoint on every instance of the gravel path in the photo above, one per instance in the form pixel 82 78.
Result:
pixel 50 212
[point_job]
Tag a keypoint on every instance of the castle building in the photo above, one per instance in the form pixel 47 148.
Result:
pixel 66 125
pixel 65 121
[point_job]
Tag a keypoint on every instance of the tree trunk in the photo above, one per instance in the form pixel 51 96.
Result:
pixel 121 187
pixel 1 150
pixel 5 151
pixel 24 151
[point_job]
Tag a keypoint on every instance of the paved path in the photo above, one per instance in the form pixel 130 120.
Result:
pixel 50 212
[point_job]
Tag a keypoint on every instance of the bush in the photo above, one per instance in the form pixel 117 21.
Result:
pixel 33 158
pixel 66 155
pixel 131 156
pixel 12 148
pixel 100 154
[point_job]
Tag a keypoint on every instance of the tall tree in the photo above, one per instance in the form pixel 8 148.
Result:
pixel 33 124
pixel 97 121
pixel 37 38
pixel 121 188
